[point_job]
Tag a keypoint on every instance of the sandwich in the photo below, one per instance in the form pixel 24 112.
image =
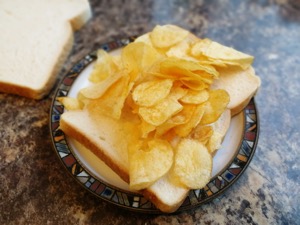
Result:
pixel 157 113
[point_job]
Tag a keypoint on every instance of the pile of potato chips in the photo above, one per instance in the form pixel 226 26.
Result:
pixel 162 80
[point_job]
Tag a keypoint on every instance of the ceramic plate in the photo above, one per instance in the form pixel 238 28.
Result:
pixel 228 164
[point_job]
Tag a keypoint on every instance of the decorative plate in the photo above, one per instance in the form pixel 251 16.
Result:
pixel 229 162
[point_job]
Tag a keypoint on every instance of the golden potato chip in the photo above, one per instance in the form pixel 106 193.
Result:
pixel 214 142
pixel 138 57
pixel 167 35
pixel 151 92
pixel 180 118
pixel 181 50
pixel 161 75
pixel 70 103
pixel 177 92
pixel 131 104
pixel 165 127
pixel 198 48
pixel 214 50
pixel 189 65
pixel 215 106
pixel 202 133
pixel 98 89
pixel 213 62
pixel 196 113
pixel 161 112
pixel 148 165
pixel 195 97
pixel 145 38
pixel 146 128
pixel 220 128
pixel 192 165
pixel 196 85
pixel 187 70
pixel 112 101
pixel 105 66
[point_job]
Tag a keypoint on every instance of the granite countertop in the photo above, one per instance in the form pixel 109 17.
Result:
pixel 34 186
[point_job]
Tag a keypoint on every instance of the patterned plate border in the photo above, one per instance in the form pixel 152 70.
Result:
pixel 133 201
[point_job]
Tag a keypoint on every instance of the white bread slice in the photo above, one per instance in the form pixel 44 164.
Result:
pixel 36 38
pixel 241 86
pixel 165 195
pixel 108 140
pixel 102 135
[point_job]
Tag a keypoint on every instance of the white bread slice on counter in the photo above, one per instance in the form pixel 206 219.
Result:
pixel 108 140
pixel 36 38
pixel 240 84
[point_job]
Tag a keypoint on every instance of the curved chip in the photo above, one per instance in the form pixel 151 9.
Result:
pixel 150 164
pixel 195 97
pixel 215 106
pixel 220 52
pixel 112 101
pixel 138 57
pixel 167 35
pixel 105 65
pixel 192 164
pixel 150 93
pixel 96 90
pixel 161 112
pixel 196 113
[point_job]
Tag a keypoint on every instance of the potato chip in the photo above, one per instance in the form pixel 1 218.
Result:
pixel 146 128
pixel 220 128
pixel 98 89
pixel 148 165
pixel 172 64
pixel 202 133
pixel 214 142
pixel 215 106
pixel 195 97
pixel 187 70
pixel 70 103
pixel 180 118
pixel 181 50
pixel 196 85
pixel 138 57
pixel 145 38
pixel 192 165
pixel 177 92
pixel 167 35
pixel 161 112
pixel 112 102
pixel 196 113
pixel 227 55
pixel 151 92
pixel 104 66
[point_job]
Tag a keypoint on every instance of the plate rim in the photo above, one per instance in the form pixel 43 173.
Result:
pixel 132 200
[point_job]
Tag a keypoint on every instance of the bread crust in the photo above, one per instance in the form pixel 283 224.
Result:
pixel 234 111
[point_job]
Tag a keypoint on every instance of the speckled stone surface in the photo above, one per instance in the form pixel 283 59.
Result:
pixel 34 186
